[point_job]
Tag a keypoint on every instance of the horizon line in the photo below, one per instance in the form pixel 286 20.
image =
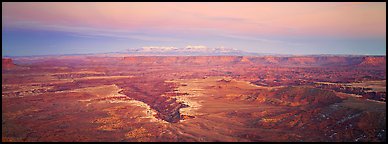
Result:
pixel 145 54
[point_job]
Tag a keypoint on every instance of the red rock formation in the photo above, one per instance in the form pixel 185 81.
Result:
pixel 182 59
pixel 8 63
pixel 299 61
pixel 302 60
pixel 317 60
pixel 297 96
pixel 271 59
pixel 373 61
pixel 245 59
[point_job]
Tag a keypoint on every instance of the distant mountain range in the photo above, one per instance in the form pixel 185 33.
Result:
pixel 187 51
pixel 200 50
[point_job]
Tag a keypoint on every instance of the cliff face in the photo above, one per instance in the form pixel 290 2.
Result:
pixel 182 59
pixel 260 60
pixel 298 96
pixel 8 63
pixel 320 61
pixel 373 61
pixel 149 91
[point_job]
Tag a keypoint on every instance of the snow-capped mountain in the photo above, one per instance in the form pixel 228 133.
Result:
pixel 188 50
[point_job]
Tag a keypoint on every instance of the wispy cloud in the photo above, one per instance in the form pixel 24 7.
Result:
pixel 347 19
pixel 92 32
pixel 288 25
pixel 228 19
pixel 264 40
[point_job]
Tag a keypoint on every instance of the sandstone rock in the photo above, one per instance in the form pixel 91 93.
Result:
pixel 8 63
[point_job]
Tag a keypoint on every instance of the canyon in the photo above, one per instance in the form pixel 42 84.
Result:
pixel 194 98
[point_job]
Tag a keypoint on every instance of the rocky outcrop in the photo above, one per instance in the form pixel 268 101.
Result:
pixel 319 60
pixel 8 63
pixel 373 61
pixel 297 96
pixel 298 61
pixel 245 60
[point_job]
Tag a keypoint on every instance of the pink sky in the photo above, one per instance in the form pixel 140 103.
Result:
pixel 288 28
pixel 245 19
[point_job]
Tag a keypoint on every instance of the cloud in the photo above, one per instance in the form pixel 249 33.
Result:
pixel 91 32
pixel 163 21
pixel 228 19
pixel 348 19
pixel 265 40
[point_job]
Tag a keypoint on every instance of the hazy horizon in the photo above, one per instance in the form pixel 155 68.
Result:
pixel 32 29
pixel 252 54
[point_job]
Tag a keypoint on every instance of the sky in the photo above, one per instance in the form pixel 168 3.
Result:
pixel 279 28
